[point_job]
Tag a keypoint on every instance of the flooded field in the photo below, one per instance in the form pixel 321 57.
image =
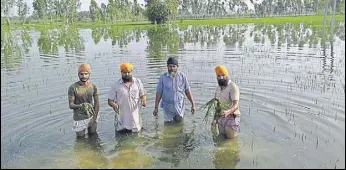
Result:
pixel 292 95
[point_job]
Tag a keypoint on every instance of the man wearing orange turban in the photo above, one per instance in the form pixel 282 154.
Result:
pixel 126 66
pixel 227 91
pixel 84 100
pixel 84 68
pixel 124 97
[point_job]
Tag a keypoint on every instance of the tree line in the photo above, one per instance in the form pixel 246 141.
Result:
pixel 160 11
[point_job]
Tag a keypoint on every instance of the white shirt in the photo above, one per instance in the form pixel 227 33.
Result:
pixel 129 101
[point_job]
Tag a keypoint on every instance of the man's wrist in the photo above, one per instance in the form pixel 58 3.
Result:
pixel 230 112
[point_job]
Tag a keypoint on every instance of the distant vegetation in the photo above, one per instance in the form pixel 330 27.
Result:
pixel 157 11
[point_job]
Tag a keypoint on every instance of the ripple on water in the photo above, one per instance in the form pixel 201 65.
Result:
pixel 291 100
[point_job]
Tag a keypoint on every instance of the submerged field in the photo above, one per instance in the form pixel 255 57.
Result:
pixel 292 94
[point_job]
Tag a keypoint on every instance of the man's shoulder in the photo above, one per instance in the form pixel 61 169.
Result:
pixel 164 74
pixel 136 80
pixel 117 82
pixel 74 85
pixel 181 74
pixel 93 84
pixel 232 83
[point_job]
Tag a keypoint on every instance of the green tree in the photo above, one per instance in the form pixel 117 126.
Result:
pixel 103 11
pixel 23 9
pixel 40 6
pixel 157 12
pixel 95 11
pixel 172 6
pixel 6 6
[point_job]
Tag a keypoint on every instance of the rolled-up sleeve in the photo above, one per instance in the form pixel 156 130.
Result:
pixel 187 84
pixel 234 92
pixel 112 93
pixel 159 87
pixel 142 91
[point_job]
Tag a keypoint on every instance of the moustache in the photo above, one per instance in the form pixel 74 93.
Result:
pixel 222 82
pixel 127 78
pixel 84 79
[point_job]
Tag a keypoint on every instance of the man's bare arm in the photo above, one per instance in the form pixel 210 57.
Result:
pixel 72 105
pixel 157 99
pixel 96 104
pixel 189 96
pixel 235 106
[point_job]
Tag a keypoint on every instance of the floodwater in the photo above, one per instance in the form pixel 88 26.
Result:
pixel 292 96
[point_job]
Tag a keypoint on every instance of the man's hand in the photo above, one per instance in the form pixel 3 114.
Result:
pixel 116 108
pixel 144 101
pixel 92 120
pixel 225 113
pixel 193 109
pixel 155 112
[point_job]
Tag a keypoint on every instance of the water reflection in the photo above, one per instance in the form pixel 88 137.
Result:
pixel 227 152
pixel 176 143
pixel 97 34
pixel 89 153
pixel 162 38
pixel 171 39
pixel 69 38
pixel 129 153
pixel 123 36
pixel 279 85
pixel 14 43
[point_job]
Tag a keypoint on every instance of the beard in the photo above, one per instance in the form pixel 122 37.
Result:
pixel 223 82
pixel 84 79
pixel 127 79
pixel 172 73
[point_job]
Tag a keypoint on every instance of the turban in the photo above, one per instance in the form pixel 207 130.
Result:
pixel 220 69
pixel 84 68
pixel 126 66
pixel 172 60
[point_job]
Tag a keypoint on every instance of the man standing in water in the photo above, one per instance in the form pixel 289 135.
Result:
pixel 124 97
pixel 228 91
pixel 172 88
pixel 83 97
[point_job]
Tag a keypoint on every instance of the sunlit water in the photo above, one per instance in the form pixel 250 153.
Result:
pixel 291 97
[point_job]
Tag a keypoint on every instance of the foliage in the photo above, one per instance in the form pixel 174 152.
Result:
pixel 157 12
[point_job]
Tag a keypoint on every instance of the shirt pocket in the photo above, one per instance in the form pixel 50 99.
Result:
pixel 181 87
pixel 134 93
pixel 121 95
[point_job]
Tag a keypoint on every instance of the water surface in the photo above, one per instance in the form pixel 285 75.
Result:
pixel 292 95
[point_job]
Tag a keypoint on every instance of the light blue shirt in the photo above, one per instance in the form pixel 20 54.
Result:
pixel 173 91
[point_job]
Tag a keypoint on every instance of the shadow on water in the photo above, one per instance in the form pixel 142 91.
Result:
pixel 89 153
pixel 227 152
pixel 176 143
pixel 129 152
pixel 128 146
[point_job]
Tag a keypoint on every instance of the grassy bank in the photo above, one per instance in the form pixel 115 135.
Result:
pixel 314 20
pixel 317 19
